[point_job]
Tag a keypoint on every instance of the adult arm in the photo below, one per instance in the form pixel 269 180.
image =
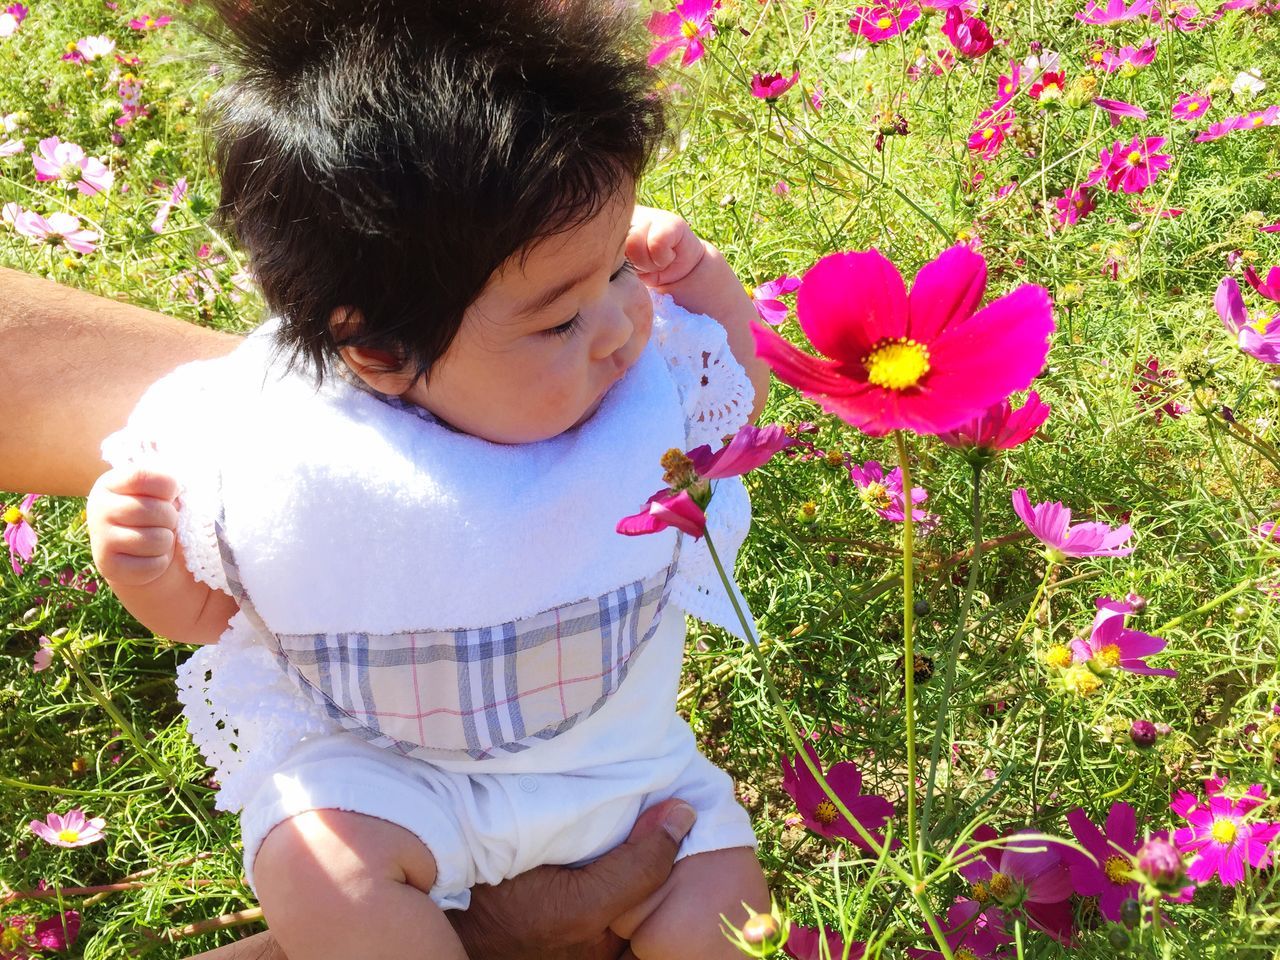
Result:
pixel 72 367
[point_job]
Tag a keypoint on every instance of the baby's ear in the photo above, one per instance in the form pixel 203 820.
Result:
pixel 382 370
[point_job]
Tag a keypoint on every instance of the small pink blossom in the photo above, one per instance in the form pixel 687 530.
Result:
pixel 73 830
pixel 1155 389
pixel 1111 60
pixel 883 494
pixel 1221 833
pixel 771 86
pixel 43 656
pixel 683 28
pixel 883 21
pixel 1130 167
pixel 990 131
pixel 1113 11
pixel 969 35
pixel 1191 106
pixel 819 813
pixel 1025 873
pixel 57 933
pixel 68 164
pixel 1112 646
pixel 60 227
pixel 1074 205
pixel 1270 228
pixel 1050 523
pixel 149 22
pixel 1118 110
pixel 803 943
pixel 1257 335
pixel 765 297
pixel 1001 427
pixel 176 196
pixel 19 534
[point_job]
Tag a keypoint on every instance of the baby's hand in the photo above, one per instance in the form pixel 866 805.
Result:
pixel 662 247
pixel 133 522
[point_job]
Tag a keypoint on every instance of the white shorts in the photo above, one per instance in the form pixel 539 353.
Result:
pixel 485 828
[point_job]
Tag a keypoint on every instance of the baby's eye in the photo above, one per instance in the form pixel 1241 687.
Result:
pixel 566 329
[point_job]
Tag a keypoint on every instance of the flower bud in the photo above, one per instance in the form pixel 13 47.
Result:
pixel 1137 601
pixel 1160 862
pixel 760 928
pixel 1118 937
pixel 1131 913
pixel 1143 734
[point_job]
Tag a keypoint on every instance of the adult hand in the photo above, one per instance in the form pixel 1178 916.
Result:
pixel 551 913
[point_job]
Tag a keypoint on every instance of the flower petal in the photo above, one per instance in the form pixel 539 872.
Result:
pixel 946 291
pixel 849 301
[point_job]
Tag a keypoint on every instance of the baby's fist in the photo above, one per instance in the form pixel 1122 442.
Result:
pixel 133 521
pixel 662 246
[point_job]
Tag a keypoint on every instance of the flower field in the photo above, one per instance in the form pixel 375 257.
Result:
pixel 1014 566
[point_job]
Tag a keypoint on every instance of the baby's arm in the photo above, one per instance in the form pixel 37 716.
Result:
pixel 670 258
pixel 133 521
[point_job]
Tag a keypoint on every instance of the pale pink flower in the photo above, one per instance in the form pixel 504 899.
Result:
pixel 1142 55
pixel 1257 335
pixel 177 195
pixel 44 656
pixel 11 148
pixel 88 49
pixel 67 163
pixel 58 228
pixel 765 297
pixel 149 22
pixel 685 28
pixel 19 534
pixel 1050 523
pixel 885 496
pixel 73 830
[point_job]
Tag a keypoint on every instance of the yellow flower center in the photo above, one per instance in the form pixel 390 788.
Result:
pixel 68 836
pixel 1058 656
pixel 70 171
pixel 1097 58
pixel 1260 321
pixel 1109 656
pixel 963 954
pixel 1001 886
pixel 1224 831
pixel 876 496
pixel 884 23
pixel 988 133
pixel 1257 121
pixel 825 812
pixel 678 469
pixel 809 510
pixel 1117 870
pixel 1082 681
pixel 689 28
pixel 980 892
pixel 834 458
pixel 1193 106
pixel 11 939
pixel 1135 158
pixel 13 515
pixel 149 22
pixel 71 46
pixel 897 364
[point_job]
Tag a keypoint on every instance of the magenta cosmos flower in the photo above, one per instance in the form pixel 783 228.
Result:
pixel 1024 874
pixel 1113 11
pixel 1073 206
pixel 149 22
pixel 1270 287
pixel 176 196
pixel 1132 167
pixel 1002 427
pixel 688 477
pixel 990 131
pixel 1112 646
pixel 683 28
pixel 928 361
pixel 1258 335
pixel 67 163
pixel 882 493
pixel 1118 110
pixel 1191 106
pixel 972 930
pixel 883 21
pixel 21 934
pixel 969 35
pixel 770 86
pixel 1221 835
pixel 804 943
pixel 1109 875
pixel 73 830
pixel 58 228
pixel 1129 57
pixel 1050 523
pixel 765 297
pixel 816 809
pixel 19 534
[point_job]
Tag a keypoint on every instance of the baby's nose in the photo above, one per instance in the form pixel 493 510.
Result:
pixel 614 333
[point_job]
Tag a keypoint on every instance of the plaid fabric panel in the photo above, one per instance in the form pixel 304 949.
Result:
pixel 472 693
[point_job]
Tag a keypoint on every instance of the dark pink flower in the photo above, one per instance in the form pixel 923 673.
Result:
pixel 1109 875
pixel 972 930
pixel 1026 874
pixel 1270 228
pixel 1191 106
pixel 683 28
pixel 1050 523
pixel 73 830
pixel 990 130
pixel 1256 120
pixel 1008 85
pixel 1049 87
pixel 883 493
pixel 765 297
pixel 1118 110
pixel 1218 130
pixel 1221 835
pixel 1257 335
pixel 1113 12
pixel 1001 427
pixel 770 86
pixel 666 508
pixel 1111 60
pixel 1187 18
pixel 1074 205
pixel 1270 287
pixel 969 35
pixel 1130 167
pixel 20 934
pixel 1112 646
pixel 149 22
pixel 803 943
pixel 19 534
pixel 928 361
pixel 818 812
pixel 1155 389
pixel 883 21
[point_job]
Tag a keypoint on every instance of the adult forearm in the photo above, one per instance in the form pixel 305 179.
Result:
pixel 72 366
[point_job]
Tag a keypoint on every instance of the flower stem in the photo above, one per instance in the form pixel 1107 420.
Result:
pixel 1035 603
pixel 1217 601
pixel 911 882
pixel 908 650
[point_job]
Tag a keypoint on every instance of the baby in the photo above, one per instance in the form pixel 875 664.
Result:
pixel 431 660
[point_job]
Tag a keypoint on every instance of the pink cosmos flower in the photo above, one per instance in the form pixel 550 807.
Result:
pixel 683 28
pixel 1026 873
pixel 883 21
pixel 969 35
pixel 1049 522
pixel 56 933
pixel 821 815
pixel 149 22
pixel 1132 167
pixel 1191 106
pixel 1074 205
pixel 1111 646
pixel 1050 86
pixel 1187 18
pixel 1155 389
pixel 765 297
pixel 58 228
pixel 1258 336
pixel 928 361
pixel 130 91
pixel 1270 287
pixel 770 86
pixel 73 830
pixel 1118 110
pixel 66 162
pixel 176 196
pixel 19 534
pixel 88 49
pixel 1142 55
pixel 971 931
pixel 883 493
pixel 43 657
pixel 1113 12
pixel 1221 836
pixel 1271 228
pixel 803 943
pixel 1001 427
pixel 688 477
pixel 990 131
pixel 12 19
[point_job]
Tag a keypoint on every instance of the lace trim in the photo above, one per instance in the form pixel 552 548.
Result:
pixel 239 678
pixel 714 389
pixel 696 587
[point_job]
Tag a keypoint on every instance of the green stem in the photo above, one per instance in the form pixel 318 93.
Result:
pixel 908 650
pixel 1217 601
pixel 916 887
pixel 1035 603
pixel 957 636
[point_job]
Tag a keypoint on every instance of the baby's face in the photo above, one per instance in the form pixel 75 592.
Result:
pixel 547 338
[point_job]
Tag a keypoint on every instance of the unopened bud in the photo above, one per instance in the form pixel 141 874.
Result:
pixel 1143 734
pixel 1137 601
pixel 1161 863
pixel 760 928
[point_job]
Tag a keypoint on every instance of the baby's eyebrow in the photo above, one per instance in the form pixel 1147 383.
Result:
pixel 552 294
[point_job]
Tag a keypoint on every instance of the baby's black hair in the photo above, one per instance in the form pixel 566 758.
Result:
pixel 390 155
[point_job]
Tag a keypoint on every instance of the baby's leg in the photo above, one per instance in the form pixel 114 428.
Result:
pixel 681 921
pixel 336 885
